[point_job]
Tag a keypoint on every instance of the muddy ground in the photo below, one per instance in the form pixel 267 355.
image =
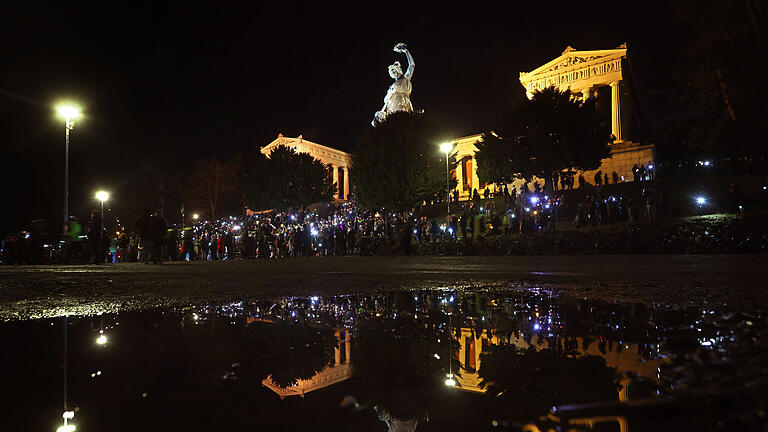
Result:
pixel 27 292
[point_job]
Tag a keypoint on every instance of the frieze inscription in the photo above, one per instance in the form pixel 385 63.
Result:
pixel 568 77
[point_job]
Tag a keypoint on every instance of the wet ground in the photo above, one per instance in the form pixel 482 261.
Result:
pixel 351 343
pixel 48 291
pixel 477 358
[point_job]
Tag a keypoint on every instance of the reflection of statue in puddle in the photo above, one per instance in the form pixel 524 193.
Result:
pixel 395 363
pixel 396 424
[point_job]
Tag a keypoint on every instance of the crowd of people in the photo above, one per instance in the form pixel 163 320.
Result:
pixel 333 230
pixel 341 229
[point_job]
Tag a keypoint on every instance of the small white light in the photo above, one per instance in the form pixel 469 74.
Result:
pixel 68 415
pixel 701 200
pixel 101 340
pixel 66 428
pixel 437 356
pixel 450 382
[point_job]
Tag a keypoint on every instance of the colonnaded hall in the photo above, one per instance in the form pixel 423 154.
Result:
pixel 605 75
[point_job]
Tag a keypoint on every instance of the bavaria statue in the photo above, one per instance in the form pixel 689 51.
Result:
pixel 398 96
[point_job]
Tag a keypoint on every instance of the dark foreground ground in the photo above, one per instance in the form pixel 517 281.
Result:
pixel 47 291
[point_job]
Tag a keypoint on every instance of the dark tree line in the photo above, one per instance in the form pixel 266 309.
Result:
pixel 719 78
pixel 541 137
pixel 398 164
pixel 286 179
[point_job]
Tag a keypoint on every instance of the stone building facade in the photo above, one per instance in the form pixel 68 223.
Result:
pixel 605 75
pixel 339 161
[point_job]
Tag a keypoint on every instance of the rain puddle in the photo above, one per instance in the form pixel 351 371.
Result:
pixel 401 361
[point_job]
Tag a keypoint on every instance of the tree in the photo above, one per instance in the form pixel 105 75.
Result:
pixel 720 70
pixel 397 164
pixel 286 179
pixel 546 376
pixel 296 351
pixel 550 133
pixel 213 181
pixel 493 158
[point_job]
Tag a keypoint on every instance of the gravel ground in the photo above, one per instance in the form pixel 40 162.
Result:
pixel 29 292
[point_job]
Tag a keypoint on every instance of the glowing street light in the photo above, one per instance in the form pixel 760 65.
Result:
pixel 195 216
pixel 102 196
pixel 69 113
pixel 68 415
pixel 701 201
pixel 447 148
pixel 102 339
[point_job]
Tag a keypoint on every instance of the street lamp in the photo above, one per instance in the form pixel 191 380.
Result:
pixel 195 216
pixel 102 196
pixel 447 148
pixel 69 113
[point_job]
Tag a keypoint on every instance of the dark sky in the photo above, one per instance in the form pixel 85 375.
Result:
pixel 162 85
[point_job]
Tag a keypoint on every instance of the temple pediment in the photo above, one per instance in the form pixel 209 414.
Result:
pixel 571 58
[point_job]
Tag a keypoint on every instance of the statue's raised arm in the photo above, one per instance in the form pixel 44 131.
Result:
pixel 402 48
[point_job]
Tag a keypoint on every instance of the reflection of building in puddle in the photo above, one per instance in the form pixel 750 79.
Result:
pixel 623 358
pixel 340 370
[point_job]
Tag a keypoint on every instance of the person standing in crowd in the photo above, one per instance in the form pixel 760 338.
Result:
pixel 123 245
pixel 94 237
pixel 142 230
pixel 157 229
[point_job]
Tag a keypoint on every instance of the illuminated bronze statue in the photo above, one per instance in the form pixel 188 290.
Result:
pixel 398 95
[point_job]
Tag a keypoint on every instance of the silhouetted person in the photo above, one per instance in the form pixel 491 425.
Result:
pixel 157 229
pixel 94 237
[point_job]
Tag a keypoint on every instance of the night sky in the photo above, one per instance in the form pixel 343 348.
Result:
pixel 162 85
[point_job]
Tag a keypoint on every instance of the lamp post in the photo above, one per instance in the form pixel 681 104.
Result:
pixel 102 196
pixel 446 148
pixel 69 113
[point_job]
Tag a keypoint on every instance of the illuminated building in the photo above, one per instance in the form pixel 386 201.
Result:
pixel 602 74
pixel 626 359
pixel 339 371
pixel 338 160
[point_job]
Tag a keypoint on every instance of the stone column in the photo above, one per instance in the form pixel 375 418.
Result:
pixel 346 183
pixel 348 348
pixel 335 181
pixel 586 93
pixel 616 110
